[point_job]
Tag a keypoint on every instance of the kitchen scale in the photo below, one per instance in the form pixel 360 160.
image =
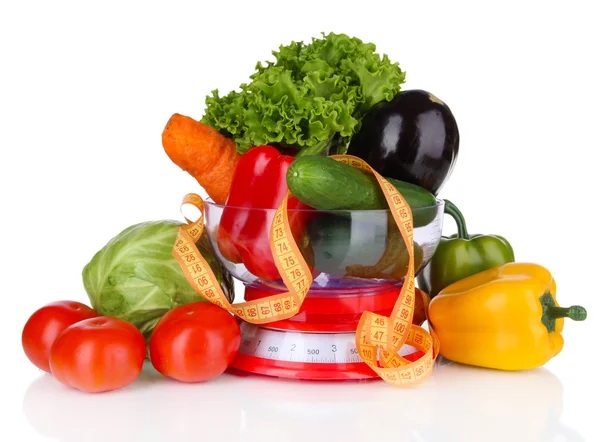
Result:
pixel 319 342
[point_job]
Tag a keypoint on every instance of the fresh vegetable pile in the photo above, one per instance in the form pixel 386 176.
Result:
pixel 277 135
pixel 143 307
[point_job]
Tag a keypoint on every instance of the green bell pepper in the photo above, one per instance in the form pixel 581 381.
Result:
pixel 461 255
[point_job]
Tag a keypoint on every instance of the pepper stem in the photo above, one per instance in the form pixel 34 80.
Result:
pixel 551 312
pixel 575 312
pixel 461 224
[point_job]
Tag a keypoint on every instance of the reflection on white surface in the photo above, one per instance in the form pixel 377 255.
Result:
pixel 457 403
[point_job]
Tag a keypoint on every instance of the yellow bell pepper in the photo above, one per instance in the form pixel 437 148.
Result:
pixel 505 318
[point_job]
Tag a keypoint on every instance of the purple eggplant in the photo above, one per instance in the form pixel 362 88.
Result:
pixel 413 138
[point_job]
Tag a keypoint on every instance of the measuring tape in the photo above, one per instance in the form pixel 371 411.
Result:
pixel 378 338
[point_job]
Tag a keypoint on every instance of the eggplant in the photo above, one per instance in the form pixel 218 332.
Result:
pixel 413 138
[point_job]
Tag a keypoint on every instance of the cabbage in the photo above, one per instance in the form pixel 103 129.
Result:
pixel 134 277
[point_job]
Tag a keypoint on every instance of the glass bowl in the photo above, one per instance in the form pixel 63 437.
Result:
pixel 346 249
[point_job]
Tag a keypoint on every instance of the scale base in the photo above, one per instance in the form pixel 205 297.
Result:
pixel 301 371
pixel 304 356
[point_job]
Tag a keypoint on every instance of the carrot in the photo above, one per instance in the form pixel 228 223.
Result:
pixel 203 152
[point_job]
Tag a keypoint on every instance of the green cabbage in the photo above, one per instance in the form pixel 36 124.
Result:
pixel 311 96
pixel 134 277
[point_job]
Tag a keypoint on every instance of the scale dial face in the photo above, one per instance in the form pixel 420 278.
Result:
pixel 292 346
pixel 316 348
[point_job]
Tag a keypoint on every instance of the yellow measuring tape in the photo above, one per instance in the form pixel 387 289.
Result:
pixel 378 338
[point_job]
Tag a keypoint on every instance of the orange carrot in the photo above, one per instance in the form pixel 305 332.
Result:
pixel 203 152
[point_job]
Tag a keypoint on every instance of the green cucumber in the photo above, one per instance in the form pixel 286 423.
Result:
pixel 330 237
pixel 339 240
pixel 326 184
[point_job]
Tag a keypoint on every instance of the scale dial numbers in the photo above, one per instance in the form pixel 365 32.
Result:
pixel 318 348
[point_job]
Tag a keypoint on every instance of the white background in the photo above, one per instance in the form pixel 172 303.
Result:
pixel 85 91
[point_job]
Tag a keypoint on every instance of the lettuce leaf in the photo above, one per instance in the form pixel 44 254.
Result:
pixel 312 96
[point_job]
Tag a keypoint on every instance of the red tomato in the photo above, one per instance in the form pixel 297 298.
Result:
pixel 43 327
pixel 98 354
pixel 194 342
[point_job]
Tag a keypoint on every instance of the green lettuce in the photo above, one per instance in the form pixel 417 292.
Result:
pixel 134 277
pixel 312 96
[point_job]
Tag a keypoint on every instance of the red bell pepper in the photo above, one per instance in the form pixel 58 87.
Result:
pixel 259 183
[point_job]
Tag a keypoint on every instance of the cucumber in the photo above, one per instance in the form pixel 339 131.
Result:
pixel 339 241
pixel 326 184
pixel 361 246
pixel 330 238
